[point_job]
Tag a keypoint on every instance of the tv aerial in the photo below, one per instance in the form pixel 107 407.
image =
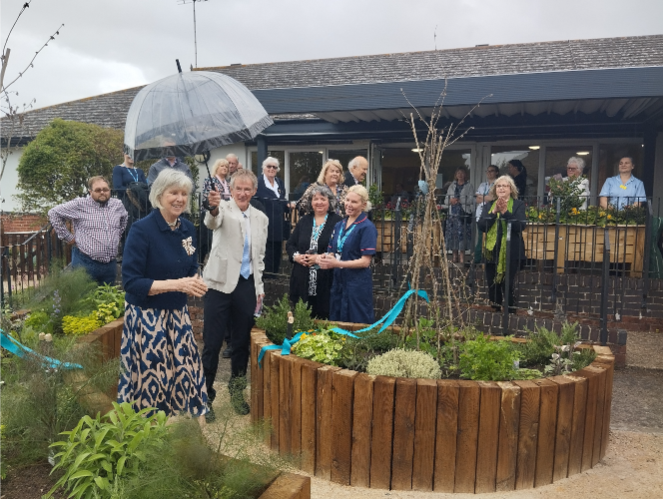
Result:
pixel 195 37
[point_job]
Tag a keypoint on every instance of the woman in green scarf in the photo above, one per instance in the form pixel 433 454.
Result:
pixel 494 219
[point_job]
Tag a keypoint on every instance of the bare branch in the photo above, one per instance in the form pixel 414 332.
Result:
pixel 30 65
pixel 25 6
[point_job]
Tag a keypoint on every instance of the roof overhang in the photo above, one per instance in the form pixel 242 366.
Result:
pixel 628 91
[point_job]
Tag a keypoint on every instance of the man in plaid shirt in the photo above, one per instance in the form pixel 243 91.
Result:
pixel 98 222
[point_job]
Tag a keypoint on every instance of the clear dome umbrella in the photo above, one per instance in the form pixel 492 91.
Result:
pixel 191 113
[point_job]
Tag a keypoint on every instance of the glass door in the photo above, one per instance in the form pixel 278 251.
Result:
pixel 302 169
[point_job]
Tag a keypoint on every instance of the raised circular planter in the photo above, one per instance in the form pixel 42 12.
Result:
pixel 445 435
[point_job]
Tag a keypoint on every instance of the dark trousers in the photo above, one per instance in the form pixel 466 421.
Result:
pixel 273 256
pixel 222 309
pixel 103 273
pixel 496 290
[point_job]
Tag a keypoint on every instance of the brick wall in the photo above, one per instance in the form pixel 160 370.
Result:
pixel 22 222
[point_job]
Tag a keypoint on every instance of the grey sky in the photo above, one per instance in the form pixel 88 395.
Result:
pixel 111 45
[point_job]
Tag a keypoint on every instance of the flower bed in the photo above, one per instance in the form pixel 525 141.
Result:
pixel 285 485
pixel 441 435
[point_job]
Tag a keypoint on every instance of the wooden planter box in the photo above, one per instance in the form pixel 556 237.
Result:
pixel 444 435
pixel 284 486
pixel 583 243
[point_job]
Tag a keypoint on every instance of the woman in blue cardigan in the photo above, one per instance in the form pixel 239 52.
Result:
pixel 161 365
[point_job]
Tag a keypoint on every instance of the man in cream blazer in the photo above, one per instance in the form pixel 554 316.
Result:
pixel 233 275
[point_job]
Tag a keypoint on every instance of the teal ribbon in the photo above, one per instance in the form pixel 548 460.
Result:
pixel 13 346
pixel 386 321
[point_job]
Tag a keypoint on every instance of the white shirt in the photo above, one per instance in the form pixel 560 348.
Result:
pixel 274 188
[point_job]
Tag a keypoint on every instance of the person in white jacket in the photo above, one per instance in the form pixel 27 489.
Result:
pixel 233 275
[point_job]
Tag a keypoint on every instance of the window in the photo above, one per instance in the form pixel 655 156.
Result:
pixel 346 155
pixel 501 155
pixel 305 167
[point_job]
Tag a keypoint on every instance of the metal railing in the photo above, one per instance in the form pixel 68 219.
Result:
pixel 567 259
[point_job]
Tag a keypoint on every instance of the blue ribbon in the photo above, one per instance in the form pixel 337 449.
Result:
pixel 13 346
pixel 386 321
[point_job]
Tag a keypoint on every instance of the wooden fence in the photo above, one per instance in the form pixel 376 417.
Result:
pixel 444 435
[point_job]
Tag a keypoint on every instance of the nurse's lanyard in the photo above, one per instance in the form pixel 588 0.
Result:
pixel 134 174
pixel 341 240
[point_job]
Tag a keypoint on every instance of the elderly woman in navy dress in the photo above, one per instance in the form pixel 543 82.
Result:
pixel 161 365
pixel 271 193
pixel 350 251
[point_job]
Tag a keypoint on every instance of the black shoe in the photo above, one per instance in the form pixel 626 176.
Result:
pixel 227 353
pixel 210 417
pixel 240 405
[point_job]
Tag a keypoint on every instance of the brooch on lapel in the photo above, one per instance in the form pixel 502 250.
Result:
pixel 188 246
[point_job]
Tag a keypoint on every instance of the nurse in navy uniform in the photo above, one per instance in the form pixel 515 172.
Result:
pixel 350 251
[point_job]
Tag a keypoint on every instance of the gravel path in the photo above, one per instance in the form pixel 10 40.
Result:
pixel 645 349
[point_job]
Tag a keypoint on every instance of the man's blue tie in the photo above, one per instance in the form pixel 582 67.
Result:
pixel 245 271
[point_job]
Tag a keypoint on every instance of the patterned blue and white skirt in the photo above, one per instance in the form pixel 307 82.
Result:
pixel 161 365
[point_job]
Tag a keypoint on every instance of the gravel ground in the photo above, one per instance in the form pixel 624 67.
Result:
pixel 645 349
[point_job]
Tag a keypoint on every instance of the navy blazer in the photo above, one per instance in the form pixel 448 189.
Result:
pixel 154 252
pixel 276 209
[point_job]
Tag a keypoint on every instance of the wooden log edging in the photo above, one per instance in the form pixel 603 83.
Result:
pixel 444 435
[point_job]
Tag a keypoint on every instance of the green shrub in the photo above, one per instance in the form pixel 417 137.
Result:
pixel 405 364
pixel 542 343
pixel 486 360
pixel 357 352
pixel 539 347
pixel 275 319
pixel 38 321
pixel 324 346
pixel 99 451
pixel 109 303
pixel 582 358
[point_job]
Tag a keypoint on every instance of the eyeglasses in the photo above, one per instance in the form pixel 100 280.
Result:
pixel 99 191
pixel 271 167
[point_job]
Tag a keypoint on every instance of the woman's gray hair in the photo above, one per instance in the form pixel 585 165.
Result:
pixel 322 190
pixel 508 180
pixel 169 178
pixel 271 161
pixel 578 161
